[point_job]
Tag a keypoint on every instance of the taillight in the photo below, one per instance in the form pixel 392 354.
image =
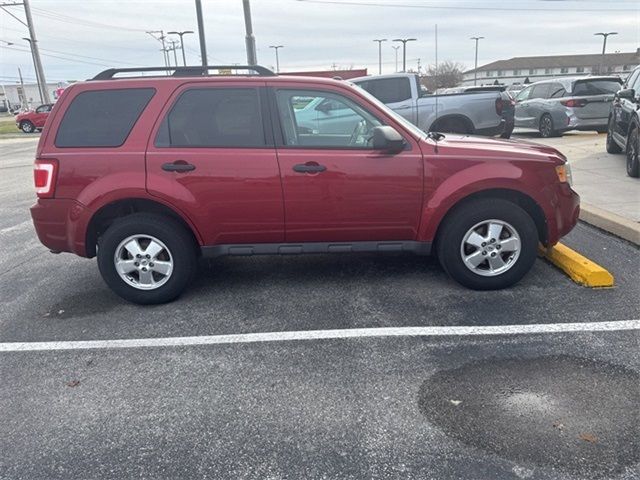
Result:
pixel 574 102
pixel 499 106
pixel 44 177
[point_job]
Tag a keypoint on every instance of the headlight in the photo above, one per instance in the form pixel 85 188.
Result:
pixel 564 173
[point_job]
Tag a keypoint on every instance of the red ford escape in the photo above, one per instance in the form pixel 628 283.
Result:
pixel 150 173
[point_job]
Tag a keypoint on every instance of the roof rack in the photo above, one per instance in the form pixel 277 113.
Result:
pixel 196 71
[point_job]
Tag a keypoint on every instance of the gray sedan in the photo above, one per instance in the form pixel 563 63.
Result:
pixel 557 105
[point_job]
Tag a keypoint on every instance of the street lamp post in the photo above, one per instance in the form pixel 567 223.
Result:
pixel 276 47
pixel 475 68
pixel 396 48
pixel 604 47
pixel 181 34
pixel 380 53
pixel 174 48
pixel 404 50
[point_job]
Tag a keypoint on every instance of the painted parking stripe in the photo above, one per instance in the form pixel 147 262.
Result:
pixel 324 335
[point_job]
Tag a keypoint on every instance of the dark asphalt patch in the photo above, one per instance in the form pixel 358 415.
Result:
pixel 574 414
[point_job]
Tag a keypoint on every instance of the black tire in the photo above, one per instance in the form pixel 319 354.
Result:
pixel 546 128
pixel 466 216
pixel 633 147
pixel 178 241
pixel 27 127
pixel 611 145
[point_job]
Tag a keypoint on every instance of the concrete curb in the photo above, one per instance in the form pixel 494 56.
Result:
pixel 580 269
pixel 620 226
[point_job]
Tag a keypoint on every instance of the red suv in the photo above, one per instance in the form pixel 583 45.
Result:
pixel 33 120
pixel 150 173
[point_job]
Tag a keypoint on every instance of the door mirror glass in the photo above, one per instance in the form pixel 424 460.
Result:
pixel 387 139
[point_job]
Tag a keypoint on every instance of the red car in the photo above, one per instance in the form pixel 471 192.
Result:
pixel 33 120
pixel 150 173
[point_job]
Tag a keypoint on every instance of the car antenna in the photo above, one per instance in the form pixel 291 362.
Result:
pixel 436 135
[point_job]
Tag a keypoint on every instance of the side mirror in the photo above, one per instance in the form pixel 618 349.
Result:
pixel 627 93
pixel 387 139
pixel 323 107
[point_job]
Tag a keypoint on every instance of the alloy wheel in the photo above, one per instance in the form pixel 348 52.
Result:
pixel 490 248
pixel 143 262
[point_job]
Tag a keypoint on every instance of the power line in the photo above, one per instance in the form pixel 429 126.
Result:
pixel 81 21
pixel 59 57
pixel 460 7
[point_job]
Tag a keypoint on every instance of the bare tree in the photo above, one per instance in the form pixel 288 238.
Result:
pixel 449 74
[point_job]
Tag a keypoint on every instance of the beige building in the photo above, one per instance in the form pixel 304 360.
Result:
pixel 520 70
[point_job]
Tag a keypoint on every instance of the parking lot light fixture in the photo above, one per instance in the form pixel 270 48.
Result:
pixel 404 50
pixel 475 68
pixel 380 40
pixel 276 47
pixel 604 36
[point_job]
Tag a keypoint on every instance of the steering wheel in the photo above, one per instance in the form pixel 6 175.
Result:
pixel 359 131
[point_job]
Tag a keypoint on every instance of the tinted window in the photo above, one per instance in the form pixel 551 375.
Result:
pixel 596 87
pixel 214 117
pixel 43 109
pixel 631 79
pixel 389 90
pixel 328 120
pixel 540 91
pixel 556 91
pixel 524 94
pixel 102 118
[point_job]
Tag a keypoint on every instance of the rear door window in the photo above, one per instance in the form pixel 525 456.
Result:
pixel 595 87
pixel 214 117
pixel 540 91
pixel 389 90
pixel 556 90
pixel 102 118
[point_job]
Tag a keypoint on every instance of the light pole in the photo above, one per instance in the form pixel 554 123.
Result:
pixel 250 40
pixel 404 50
pixel 396 48
pixel 35 65
pixel 276 47
pixel 203 43
pixel 475 69
pixel 174 48
pixel 380 53
pixel 604 47
pixel 181 34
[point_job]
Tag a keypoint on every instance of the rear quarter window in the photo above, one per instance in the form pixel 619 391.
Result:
pixel 389 90
pixel 596 87
pixel 102 118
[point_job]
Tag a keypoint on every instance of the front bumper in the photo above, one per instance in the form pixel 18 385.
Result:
pixel 564 215
pixel 59 225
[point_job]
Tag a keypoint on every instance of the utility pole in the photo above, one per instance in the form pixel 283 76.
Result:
pixel 203 46
pixel 475 69
pixel 380 40
pixel 604 47
pixel 181 34
pixel 276 47
pixel 252 58
pixel 396 48
pixel 24 101
pixel 404 50
pixel 35 67
pixel 36 53
pixel 174 48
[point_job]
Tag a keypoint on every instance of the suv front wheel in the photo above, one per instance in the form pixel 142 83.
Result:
pixel 488 244
pixel 147 258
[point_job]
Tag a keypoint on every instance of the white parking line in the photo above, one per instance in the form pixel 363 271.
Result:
pixel 324 335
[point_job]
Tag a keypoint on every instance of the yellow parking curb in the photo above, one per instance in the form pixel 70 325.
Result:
pixel 580 269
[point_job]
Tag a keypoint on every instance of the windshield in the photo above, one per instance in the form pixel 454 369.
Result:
pixel 398 118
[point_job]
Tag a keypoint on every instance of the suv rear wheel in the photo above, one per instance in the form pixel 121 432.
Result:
pixel 147 258
pixel 488 244
pixel 633 164
pixel 546 127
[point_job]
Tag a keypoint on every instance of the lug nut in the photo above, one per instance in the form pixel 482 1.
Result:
pixel 138 255
pixel 144 269
pixel 136 264
pixel 484 253
pixel 484 244
pixel 151 264
pixel 493 255
pixel 148 256
pixel 493 240
pixel 498 247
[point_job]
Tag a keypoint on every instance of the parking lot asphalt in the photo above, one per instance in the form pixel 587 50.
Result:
pixel 549 405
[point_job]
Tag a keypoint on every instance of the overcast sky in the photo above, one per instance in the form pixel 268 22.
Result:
pixel 78 38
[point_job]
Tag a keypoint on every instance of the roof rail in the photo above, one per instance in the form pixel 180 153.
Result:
pixel 195 71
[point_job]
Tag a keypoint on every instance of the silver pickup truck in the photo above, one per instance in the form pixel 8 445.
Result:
pixel 480 111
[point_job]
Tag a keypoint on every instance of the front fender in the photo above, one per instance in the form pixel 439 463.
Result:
pixel 442 197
